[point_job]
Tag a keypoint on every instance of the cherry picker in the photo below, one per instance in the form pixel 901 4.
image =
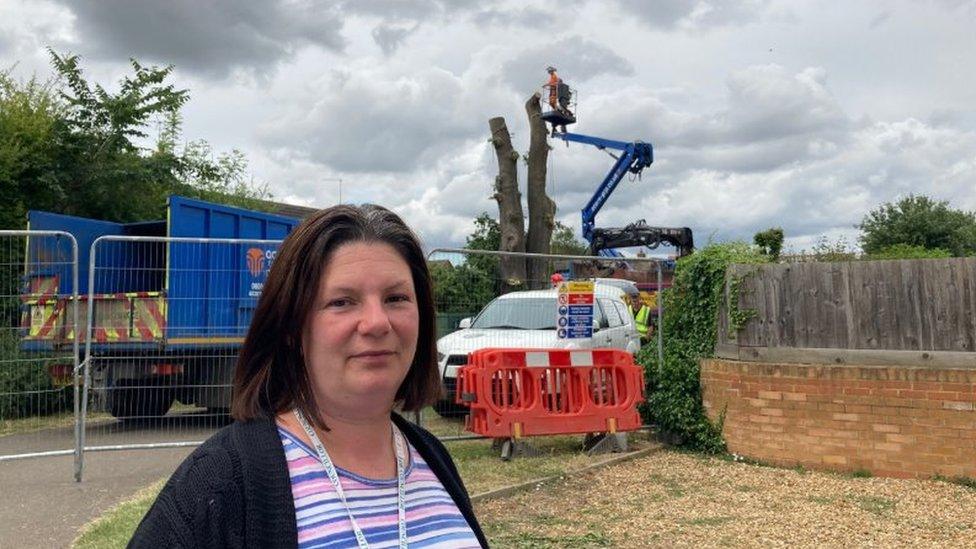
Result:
pixel 632 158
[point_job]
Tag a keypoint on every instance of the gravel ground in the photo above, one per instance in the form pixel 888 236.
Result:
pixel 674 499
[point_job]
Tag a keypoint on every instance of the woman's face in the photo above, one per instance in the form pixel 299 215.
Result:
pixel 361 335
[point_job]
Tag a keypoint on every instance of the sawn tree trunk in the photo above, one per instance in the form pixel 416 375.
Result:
pixel 542 210
pixel 511 222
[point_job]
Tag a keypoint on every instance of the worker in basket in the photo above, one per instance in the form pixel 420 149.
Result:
pixel 553 87
pixel 559 97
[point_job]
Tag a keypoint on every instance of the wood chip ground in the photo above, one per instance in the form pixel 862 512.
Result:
pixel 672 499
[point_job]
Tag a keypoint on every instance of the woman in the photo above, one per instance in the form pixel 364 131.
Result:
pixel 343 333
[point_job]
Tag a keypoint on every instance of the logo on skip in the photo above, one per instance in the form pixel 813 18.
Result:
pixel 255 261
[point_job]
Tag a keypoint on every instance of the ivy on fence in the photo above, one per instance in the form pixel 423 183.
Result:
pixel 691 305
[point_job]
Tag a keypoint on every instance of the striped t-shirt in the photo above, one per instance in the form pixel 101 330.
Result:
pixel 433 519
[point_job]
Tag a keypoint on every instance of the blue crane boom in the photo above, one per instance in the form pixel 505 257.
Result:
pixel 634 157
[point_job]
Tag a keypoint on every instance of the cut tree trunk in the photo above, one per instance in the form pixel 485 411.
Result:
pixel 542 209
pixel 511 222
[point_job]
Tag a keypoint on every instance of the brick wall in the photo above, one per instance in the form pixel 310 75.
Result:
pixel 891 421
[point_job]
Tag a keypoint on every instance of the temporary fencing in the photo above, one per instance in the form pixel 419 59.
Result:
pixel 39 369
pixel 140 352
pixel 146 343
pixel 486 299
pixel 166 318
pixel 514 393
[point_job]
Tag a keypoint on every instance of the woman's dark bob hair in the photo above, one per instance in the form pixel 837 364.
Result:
pixel 271 377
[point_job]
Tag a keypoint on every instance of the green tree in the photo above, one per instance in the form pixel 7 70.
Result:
pixel 30 115
pixel 564 242
pixel 907 251
pixel 74 147
pixel 770 242
pixel 486 236
pixel 101 162
pixel 918 220
pixel 200 174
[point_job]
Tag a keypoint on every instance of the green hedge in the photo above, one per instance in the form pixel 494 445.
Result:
pixel 25 387
pixel 691 305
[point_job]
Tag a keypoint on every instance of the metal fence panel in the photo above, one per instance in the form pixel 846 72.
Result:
pixel 165 320
pixel 39 382
pixel 475 287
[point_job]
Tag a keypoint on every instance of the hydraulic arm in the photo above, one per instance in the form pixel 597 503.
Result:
pixel 633 158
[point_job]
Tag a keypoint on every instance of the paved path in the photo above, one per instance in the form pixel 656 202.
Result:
pixel 40 503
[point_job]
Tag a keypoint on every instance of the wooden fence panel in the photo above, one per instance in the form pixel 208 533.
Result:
pixel 899 305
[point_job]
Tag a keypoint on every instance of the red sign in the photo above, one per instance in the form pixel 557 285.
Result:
pixel 580 299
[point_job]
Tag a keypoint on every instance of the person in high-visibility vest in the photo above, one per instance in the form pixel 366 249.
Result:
pixel 553 85
pixel 642 315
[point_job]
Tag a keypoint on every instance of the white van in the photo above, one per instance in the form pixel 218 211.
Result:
pixel 528 320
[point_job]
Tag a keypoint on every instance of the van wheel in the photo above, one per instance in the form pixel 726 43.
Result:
pixel 134 401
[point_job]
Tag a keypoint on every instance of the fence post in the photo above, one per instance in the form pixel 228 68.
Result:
pixel 660 319
pixel 90 317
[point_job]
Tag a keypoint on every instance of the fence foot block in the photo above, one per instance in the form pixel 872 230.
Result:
pixel 515 448
pixel 605 443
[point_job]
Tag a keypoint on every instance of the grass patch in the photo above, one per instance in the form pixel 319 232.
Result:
pixel 860 473
pixel 966 482
pixel 482 469
pixel 875 504
pixel 820 500
pixel 115 527
pixel 31 424
pixel 41 423
pixel 671 486
pixel 708 521
pixel 746 488
pixel 479 465
pixel 534 540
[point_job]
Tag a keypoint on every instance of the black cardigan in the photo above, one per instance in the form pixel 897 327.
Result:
pixel 234 491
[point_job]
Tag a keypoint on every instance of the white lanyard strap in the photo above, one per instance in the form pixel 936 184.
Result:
pixel 330 470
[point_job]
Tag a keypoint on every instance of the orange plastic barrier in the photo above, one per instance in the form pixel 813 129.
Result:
pixel 524 392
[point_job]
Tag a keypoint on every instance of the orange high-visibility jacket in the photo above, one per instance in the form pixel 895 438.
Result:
pixel 553 88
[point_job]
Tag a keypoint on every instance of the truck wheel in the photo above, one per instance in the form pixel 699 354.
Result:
pixel 449 409
pixel 139 403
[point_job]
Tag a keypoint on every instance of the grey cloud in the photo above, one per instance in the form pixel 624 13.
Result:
pixel 772 118
pixel 766 102
pixel 528 17
pixel 370 123
pixel 212 37
pixel 880 19
pixel 577 59
pixel 411 10
pixel 669 14
pixel 414 10
pixel 389 38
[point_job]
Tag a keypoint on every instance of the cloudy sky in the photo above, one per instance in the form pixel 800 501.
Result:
pixel 802 114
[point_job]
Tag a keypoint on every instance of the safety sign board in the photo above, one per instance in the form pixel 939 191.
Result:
pixel 574 310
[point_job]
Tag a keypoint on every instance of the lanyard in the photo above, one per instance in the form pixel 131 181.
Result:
pixel 334 478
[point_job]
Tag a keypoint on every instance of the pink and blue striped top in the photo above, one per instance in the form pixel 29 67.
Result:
pixel 433 519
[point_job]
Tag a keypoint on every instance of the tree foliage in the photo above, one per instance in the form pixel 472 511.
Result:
pixel 564 241
pixel 770 241
pixel 691 306
pixel 907 251
pixel 74 147
pixel 917 220
pixel 30 118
